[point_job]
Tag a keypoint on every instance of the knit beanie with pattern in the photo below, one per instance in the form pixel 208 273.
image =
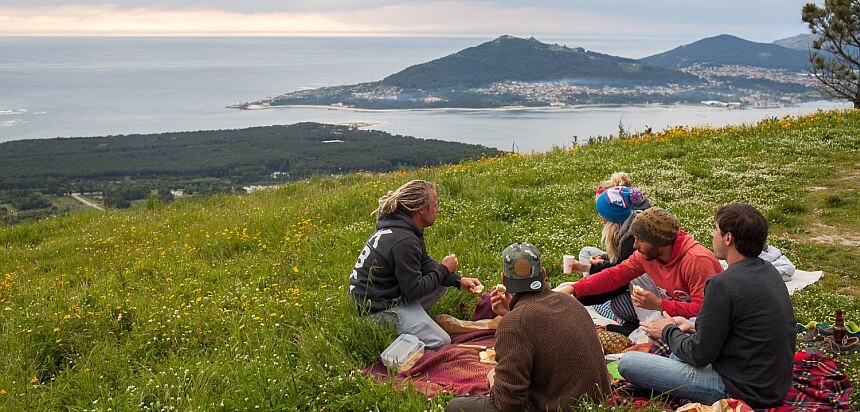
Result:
pixel 656 226
pixel 614 204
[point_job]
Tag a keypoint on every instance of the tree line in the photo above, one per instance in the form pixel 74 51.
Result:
pixel 132 167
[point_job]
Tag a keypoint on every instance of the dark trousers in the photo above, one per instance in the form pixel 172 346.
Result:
pixel 471 404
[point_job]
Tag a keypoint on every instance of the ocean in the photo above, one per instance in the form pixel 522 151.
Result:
pixel 80 87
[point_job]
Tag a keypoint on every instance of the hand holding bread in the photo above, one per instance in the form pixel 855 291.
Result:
pixel 500 300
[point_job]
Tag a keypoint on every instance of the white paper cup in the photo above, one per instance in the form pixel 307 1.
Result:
pixel 567 263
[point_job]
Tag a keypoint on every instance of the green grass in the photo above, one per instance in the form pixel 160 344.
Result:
pixel 239 302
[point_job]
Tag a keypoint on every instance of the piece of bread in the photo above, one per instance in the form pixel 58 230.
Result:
pixel 488 356
pixel 500 288
pixel 478 289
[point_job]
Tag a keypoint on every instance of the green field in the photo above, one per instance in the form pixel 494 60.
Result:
pixel 239 302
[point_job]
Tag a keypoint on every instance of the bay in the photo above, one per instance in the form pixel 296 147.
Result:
pixel 74 87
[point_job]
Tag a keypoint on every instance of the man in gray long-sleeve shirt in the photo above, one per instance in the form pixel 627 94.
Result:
pixel 742 343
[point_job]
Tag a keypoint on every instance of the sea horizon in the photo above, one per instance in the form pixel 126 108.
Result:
pixel 99 86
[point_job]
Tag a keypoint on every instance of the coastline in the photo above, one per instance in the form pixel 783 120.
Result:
pixel 575 107
pixel 528 127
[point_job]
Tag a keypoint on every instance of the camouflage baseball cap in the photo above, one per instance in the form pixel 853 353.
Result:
pixel 521 268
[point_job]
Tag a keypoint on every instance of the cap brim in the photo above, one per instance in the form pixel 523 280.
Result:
pixel 523 285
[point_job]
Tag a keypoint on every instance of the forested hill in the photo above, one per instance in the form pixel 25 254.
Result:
pixel 730 50
pixel 240 156
pixel 510 58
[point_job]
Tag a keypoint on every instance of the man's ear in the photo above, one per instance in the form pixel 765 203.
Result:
pixel 543 273
pixel 730 239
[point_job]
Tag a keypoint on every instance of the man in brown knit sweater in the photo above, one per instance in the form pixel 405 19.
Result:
pixel 547 350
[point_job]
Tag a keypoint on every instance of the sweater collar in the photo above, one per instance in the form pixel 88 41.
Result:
pixel 530 296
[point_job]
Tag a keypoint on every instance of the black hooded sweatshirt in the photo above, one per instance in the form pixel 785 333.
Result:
pixel 394 266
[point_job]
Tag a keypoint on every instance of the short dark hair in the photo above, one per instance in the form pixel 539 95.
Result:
pixel 747 226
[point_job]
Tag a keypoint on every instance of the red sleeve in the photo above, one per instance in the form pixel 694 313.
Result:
pixel 695 275
pixel 610 279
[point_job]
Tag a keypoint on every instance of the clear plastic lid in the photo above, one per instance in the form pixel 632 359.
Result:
pixel 402 351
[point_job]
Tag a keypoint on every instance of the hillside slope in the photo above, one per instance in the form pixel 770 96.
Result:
pixel 509 58
pixel 239 302
pixel 800 42
pixel 730 50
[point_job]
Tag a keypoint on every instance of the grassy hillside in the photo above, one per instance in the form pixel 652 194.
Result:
pixel 239 302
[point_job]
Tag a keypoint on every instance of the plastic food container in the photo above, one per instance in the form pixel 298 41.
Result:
pixel 402 354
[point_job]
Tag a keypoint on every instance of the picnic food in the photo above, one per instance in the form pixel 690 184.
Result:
pixel 410 362
pixel 488 356
pixel 613 342
pixel 403 353
pixel 478 289
pixel 637 288
pixel 500 288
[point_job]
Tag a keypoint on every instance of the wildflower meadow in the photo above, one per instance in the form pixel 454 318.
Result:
pixel 239 302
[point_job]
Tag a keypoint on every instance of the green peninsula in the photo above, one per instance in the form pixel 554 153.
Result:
pixel 129 167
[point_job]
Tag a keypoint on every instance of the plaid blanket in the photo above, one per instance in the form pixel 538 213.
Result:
pixel 817 385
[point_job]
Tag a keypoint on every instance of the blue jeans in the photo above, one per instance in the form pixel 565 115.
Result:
pixel 673 376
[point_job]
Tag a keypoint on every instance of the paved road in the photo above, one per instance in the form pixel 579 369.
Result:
pixel 81 199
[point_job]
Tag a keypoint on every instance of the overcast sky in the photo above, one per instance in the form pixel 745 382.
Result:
pixel 670 21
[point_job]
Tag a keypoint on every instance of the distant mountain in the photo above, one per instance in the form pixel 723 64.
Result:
pixel 730 50
pixel 510 58
pixel 802 42
pixel 510 71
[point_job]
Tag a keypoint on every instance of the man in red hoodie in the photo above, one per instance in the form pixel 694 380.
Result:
pixel 677 264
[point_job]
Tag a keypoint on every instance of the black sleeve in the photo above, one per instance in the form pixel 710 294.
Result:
pixel 408 269
pixel 605 265
pixel 712 327
pixel 603 297
pixel 624 251
pixel 428 265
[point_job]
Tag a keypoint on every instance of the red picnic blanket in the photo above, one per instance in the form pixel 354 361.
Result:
pixel 447 369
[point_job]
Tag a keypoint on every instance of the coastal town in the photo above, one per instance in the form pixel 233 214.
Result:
pixel 717 87
pixel 730 86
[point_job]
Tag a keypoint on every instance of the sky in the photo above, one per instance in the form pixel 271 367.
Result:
pixel 661 21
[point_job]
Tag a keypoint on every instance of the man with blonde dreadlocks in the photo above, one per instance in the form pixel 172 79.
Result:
pixel 395 280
